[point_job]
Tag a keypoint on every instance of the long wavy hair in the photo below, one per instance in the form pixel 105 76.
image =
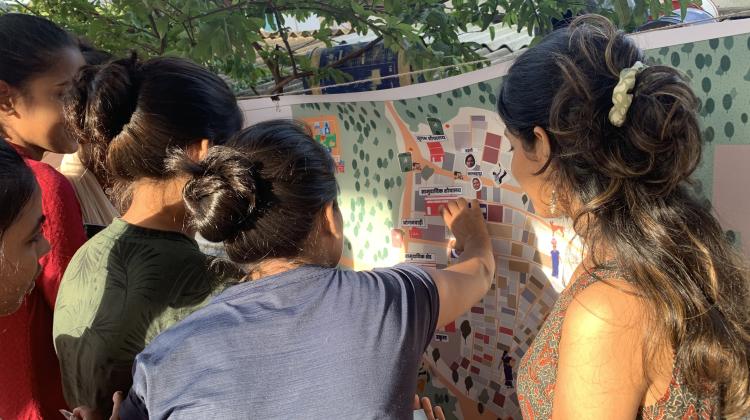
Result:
pixel 633 194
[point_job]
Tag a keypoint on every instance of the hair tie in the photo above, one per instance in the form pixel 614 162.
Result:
pixel 621 96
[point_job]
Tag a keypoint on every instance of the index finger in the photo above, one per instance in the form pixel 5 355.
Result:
pixel 427 407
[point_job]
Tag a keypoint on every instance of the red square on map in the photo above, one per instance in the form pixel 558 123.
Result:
pixel 505 330
pixel 451 327
pixel 499 399
pixel 436 152
pixel 475 370
pixel 494 213
pixel 433 208
pixel 493 140
pixel 415 233
pixel 397 238
pixel 491 154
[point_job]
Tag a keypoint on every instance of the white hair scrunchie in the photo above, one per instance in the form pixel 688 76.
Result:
pixel 621 96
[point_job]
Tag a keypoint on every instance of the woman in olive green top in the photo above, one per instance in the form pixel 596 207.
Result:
pixel 144 272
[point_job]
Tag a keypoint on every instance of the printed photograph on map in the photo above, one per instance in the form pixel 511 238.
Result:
pixel 470 161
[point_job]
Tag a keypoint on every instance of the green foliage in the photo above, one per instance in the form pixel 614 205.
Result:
pixel 226 35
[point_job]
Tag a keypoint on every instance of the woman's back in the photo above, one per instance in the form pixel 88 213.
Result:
pixel 328 342
pixel 300 336
pixel 122 288
pixel 144 272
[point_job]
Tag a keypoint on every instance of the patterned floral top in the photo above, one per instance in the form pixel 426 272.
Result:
pixel 538 371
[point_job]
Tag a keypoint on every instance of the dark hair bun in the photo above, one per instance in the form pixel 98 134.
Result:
pixel 221 195
pixel 136 112
pixel 104 98
pixel 664 130
pixel 102 101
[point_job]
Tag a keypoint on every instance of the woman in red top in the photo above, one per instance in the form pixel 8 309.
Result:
pixel 39 60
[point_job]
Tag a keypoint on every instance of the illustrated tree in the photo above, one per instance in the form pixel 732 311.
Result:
pixel 468 382
pixel 435 355
pixel 465 329
pixel 227 35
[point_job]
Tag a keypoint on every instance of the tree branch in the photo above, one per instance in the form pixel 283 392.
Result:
pixel 222 9
pixel 272 67
pixel 284 36
pixel 27 8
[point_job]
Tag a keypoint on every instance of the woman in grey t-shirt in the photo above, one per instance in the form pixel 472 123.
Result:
pixel 299 337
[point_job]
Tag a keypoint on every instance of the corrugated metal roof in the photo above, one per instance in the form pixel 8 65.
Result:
pixel 507 41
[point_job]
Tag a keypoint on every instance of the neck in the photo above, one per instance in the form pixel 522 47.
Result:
pixel 271 267
pixel 158 205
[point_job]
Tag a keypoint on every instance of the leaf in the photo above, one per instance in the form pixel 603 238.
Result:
pixel 358 8
pixel 622 8
pixel 640 13
pixel 667 7
pixel 162 25
pixel 654 9
pixel 683 9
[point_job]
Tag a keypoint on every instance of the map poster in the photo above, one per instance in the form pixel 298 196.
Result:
pixel 407 151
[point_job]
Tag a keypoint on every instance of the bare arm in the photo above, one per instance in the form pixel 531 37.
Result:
pixel 463 284
pixel 600 371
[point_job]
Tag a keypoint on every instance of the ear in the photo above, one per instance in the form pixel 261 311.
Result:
pixel 542 147
pixel 332 224
pixel 8 96
pixel 199 150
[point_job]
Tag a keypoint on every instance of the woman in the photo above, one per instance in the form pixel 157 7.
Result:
pixel 655 320
pixel 144 272
pixel 21 241
pixel 37 64
pixel 299 337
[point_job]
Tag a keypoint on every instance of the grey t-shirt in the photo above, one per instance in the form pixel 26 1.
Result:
pixel 314 342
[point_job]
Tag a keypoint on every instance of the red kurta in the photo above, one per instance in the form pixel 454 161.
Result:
pixel 30 385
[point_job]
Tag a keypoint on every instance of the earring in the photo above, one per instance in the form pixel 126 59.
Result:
pixel 553 203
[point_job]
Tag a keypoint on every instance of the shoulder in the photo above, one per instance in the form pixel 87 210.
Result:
pixel 53 183
pixel 46 173
pixel 610 308
pixel 600 362
pixel 611 300
pixel 403 272
pixel 90 265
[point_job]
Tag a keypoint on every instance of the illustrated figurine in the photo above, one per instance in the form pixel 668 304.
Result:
pixel 555 259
